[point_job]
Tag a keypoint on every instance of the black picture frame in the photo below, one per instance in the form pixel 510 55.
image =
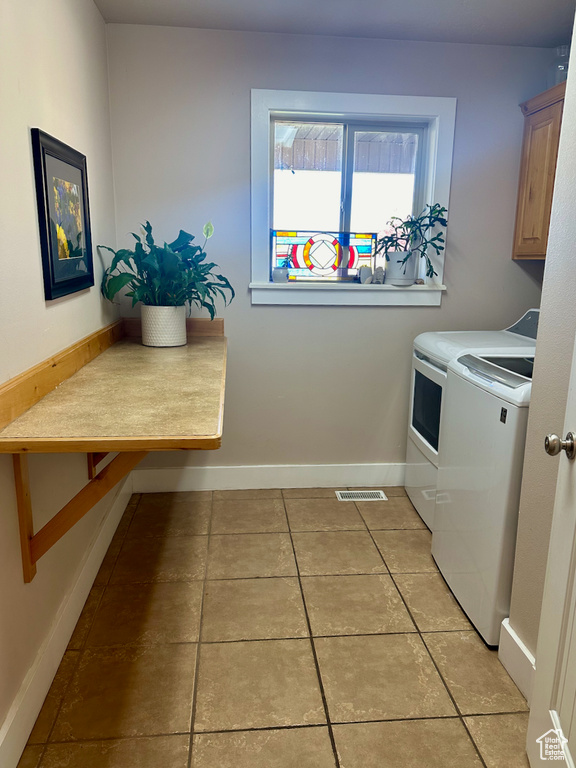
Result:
pixel 63 216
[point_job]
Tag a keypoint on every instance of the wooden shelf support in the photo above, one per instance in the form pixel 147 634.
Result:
pixel 93 460
pixel 36 545
pixel 24 502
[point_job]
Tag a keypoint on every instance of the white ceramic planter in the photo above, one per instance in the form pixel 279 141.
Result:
pixel 401 274
pixel 163 326
pixel 280 275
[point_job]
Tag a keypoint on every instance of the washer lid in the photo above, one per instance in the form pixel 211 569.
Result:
pixel 447 345
pixel 444 346
pixel 524 366
pixel 499 376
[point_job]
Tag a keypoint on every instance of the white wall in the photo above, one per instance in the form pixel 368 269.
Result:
pixel 549 389
pixel 310 384
pixel 53 75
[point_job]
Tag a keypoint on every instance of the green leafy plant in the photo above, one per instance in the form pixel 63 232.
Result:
pixel 414 236
pixel 168 275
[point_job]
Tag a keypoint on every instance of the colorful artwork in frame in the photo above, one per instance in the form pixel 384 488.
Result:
pixel 63 216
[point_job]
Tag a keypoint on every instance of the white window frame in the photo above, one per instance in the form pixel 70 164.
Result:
pixel 437 113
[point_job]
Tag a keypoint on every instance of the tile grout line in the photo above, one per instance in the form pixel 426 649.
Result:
pixel 417 631
pixel 444 683
pixel 133 514
pixel 416 628
pixel 463 721
pixel 441 676
pixel 82 647
pixel 199 644
pixel 337 722
pixel 301 726
pixel 313 648
pixel 268 533
pixel 283 637
pixel 304 576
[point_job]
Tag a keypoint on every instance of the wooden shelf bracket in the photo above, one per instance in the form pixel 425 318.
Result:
pixel 93 460
pixel 35 545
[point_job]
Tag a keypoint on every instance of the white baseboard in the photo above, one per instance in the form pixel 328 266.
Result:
pixel 150 480
pixel 517 659
pixel 22 715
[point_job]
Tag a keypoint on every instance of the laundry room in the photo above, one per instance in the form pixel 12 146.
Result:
pixel 333 381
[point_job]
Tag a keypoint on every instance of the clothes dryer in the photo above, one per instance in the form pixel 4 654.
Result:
pixel 433 351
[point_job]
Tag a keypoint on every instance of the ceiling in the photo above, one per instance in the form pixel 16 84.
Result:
pixel 541 23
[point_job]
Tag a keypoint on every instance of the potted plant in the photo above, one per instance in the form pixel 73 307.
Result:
pixel 166 279
pixel 409 238
pixel 280 273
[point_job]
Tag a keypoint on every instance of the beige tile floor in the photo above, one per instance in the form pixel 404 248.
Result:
pixel 275 629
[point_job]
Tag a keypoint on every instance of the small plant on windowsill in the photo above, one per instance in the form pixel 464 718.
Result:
pixel 280 273
pixel 409 238
pixel 166 279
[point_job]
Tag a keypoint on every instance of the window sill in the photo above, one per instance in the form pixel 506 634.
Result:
pixel 347 294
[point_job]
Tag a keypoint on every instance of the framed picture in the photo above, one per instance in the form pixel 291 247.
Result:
pixel 63 216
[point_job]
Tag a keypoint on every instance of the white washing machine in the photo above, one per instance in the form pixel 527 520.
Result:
pixel 433 352
pixel 482 435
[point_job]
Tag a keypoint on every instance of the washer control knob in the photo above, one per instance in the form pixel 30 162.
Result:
pixel 554 444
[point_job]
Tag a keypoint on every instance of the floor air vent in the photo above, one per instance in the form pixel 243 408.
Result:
pixel 361 496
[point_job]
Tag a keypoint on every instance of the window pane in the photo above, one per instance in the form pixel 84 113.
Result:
pixel 307 176
pixel 383 178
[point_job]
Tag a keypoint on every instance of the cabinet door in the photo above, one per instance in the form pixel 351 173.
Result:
pixel 537 171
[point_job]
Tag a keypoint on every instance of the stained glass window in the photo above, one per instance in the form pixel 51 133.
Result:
pixel 313 255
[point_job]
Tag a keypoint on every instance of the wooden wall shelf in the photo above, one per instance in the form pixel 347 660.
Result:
pixel 108 394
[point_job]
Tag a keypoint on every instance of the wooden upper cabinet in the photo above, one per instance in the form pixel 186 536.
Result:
pixel 543 116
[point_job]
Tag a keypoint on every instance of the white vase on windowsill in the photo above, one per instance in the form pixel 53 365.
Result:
pixel 401 274
pixel 280 275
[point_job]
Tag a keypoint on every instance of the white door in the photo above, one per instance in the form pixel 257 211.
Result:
pixel 554 696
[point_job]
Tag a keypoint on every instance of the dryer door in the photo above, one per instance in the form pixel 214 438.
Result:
pixel 428 381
